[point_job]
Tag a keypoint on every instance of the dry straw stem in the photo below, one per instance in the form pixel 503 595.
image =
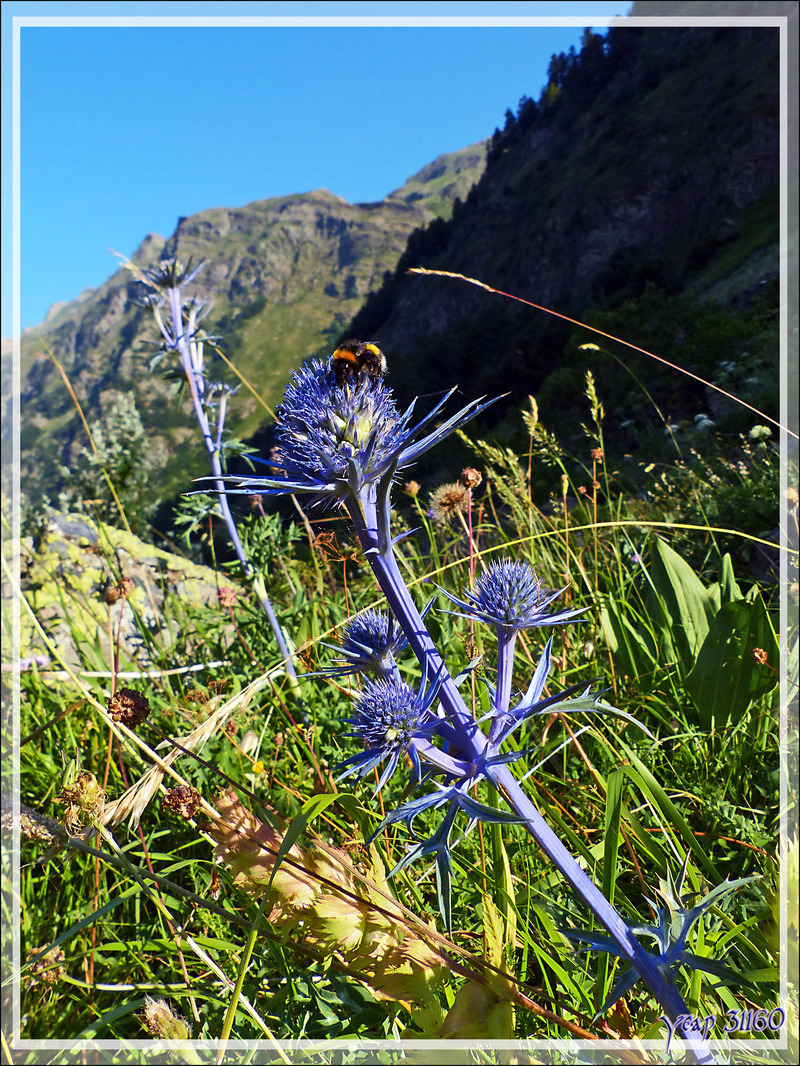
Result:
pixel 132 803
pixel 601 333
pixel 123 675
pixel 614 524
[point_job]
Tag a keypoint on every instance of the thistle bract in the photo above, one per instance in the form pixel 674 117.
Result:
pixel 670 935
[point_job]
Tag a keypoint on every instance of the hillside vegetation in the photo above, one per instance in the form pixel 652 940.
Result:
pixel 639 194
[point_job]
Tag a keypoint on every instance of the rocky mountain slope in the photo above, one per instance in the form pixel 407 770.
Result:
pixel 282 276
pixel 651 158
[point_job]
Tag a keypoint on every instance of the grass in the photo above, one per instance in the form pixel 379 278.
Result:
pixel 144 908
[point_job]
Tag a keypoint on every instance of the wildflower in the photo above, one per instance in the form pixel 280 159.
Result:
pixel 470 477
pixel 760 433
pixel 183 801
pixel 389 716
pixel 336 441
pixel 447 501
pixel 30 662
pixel 333 440
pixel 345 445
pixel 227 596
pixel 125 587
pixel 792 498
pixel 509 596
pixel 760 656
pixel 129 707
pixel 370 641
pixel 119 592
pixel 412 488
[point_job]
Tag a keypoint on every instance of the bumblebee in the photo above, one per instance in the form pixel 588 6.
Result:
pixel 356 359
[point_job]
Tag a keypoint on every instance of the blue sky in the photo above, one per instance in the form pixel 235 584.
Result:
pixel 124 129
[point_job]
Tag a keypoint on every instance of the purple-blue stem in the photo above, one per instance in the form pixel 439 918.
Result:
pixel 196 381
pixel 370 511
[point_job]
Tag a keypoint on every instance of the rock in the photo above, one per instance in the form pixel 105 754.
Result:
pixel 71 580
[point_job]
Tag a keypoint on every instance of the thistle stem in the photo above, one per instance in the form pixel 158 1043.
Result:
pixel 194 377
pixel 371 524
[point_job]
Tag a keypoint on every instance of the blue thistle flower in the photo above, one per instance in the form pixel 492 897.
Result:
pixel 370 642
pixel 389 717
pixel 336 440
pixel 510 597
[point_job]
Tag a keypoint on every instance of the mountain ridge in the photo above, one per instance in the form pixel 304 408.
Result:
pixel 282 275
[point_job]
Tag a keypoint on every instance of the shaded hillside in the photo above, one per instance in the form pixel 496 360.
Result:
pixel 649 160
pixel 282 276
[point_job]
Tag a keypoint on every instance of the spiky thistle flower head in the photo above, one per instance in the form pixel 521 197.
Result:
pixel 171 274
pixel 510 597
pixel 370 641
pixel 389 716
pixel 336 436
pixel 335 439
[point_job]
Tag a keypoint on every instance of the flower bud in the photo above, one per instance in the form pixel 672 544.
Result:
pixel 470 477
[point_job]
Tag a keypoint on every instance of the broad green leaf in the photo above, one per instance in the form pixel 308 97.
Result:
pixel 729 589
pixel 680 604
pixel 726 678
